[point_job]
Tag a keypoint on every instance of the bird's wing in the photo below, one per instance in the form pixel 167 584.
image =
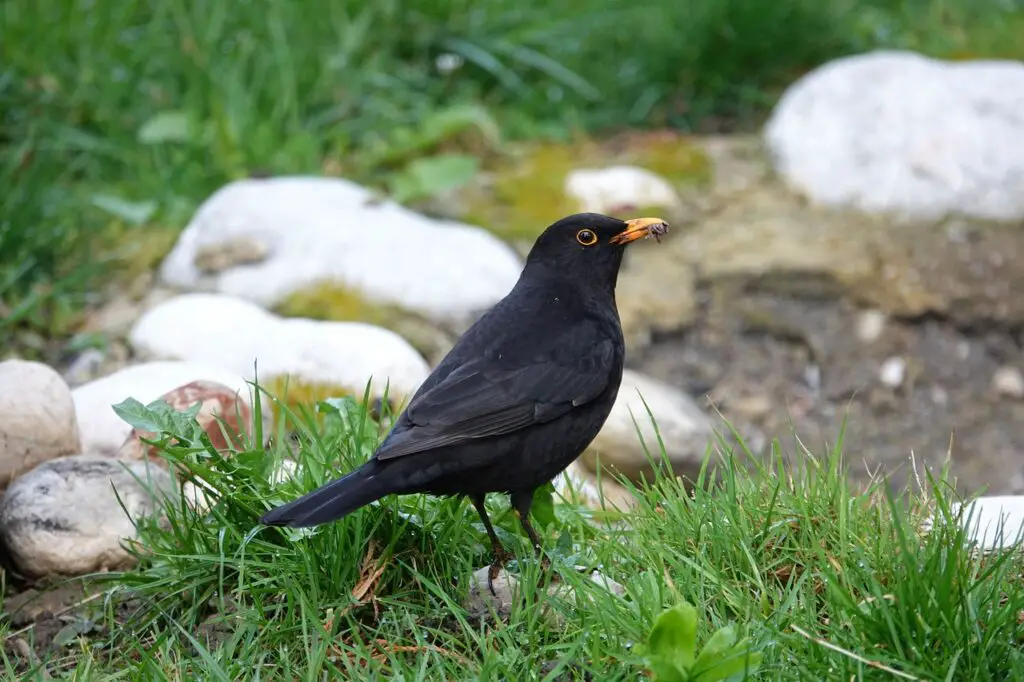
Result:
pixel 486 398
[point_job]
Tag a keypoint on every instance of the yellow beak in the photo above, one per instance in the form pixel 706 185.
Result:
pixel 639 228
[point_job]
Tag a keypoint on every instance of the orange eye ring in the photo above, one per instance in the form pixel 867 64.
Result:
pixel 586 237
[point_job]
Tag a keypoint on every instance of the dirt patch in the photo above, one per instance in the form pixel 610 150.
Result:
pixel 46 622
pixel 788 368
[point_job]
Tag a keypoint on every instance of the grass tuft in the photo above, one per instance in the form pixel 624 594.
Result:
pixel 821 580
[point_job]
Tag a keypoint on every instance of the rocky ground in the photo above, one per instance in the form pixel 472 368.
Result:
pixel 799 318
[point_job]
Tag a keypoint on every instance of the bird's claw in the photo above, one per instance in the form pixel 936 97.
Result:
pixel 500 559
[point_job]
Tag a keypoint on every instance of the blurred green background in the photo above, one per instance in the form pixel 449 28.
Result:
pixel 119 118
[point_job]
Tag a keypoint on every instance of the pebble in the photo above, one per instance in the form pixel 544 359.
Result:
pixel 870 325
pixel 481 603
pixel 893 372
pixel 616 189
pixel 1008 381
pixel 37 417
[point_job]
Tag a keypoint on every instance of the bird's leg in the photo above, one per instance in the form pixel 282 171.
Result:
pixel 521 502
pixel 501 556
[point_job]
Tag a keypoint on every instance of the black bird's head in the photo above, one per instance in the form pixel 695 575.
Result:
pixel 588 247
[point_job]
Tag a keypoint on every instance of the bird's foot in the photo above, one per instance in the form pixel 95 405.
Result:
pixel 497 566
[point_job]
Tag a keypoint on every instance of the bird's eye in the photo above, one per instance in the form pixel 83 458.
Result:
pixel 586 237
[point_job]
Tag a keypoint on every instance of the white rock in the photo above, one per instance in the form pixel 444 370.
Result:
pixel 892 372
pixel 611 190
pixel 1008 382
pixel 64 518
pixel 236 334
pixel 103 432
pixel 580 485
pixel 994 522
pixel 896 132
pixel 870 325
pixel 482 603
pixel 683 427
pixel 325 229
pixel 285 471
pixel 37 417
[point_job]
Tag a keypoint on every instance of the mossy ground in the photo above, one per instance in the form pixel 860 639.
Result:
pixel 526 190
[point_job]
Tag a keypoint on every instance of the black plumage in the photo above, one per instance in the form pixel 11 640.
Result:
pixel 521 394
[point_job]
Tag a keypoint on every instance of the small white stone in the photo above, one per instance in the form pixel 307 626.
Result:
pixel 580 485
pixel 284 472
pixel 196 496
pixel 1008 382
pixel 64 517
pixel 994 522
pixel 481 603
pixel 37 417
pixel 241 337
pixel 103 431
pixel 607 583
pixel 870 325
pixel 893 372
pixel 608 190
pixel 314 230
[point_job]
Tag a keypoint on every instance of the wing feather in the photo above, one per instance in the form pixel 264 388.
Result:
pixel 484 398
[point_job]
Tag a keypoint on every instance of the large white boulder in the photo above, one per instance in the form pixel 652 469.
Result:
pixel 264 239
pixel 898 133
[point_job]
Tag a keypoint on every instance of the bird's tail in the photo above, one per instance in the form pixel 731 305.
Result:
pixel 329 502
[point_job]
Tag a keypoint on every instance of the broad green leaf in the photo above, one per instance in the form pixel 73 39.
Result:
pixel 564 543
pixel 665 670
pixel 674 635
pixel 715 648
pixel 138 415
pixel 134 212
pixel 160 417
pixel 166 126
pixel 737 664
pixel 70 632
pixel 543 508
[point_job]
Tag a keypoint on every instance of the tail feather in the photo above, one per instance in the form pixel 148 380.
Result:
pixel 329 502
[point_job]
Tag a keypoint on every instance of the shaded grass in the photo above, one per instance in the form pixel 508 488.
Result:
pixel 829 582
pixel 116 119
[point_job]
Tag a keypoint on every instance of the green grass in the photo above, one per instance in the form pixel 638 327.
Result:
pixel 117 119
pixel 826 581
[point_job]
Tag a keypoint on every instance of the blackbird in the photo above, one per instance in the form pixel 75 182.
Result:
pixel 521 394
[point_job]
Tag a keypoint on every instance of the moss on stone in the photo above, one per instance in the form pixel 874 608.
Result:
pixel 334 301
pixel 295 393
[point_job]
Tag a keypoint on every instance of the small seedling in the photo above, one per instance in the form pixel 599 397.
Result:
pixel 672 650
